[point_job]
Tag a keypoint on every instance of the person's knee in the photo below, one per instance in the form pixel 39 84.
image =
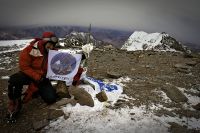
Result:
pixel 14 88
pixel 16 78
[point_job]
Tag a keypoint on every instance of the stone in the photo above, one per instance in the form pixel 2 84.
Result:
pixel 186 71
pixel 176 128
pixel 101 96
pixel 196 87
pixel 174 93
pixel 66 116
pixel 197 106
pixel 113 75
pixel 38 125
pixel 54 114
pixel 191 63
pixel 182 66
pixel 82 96
pixel 62 90
pixel 62 102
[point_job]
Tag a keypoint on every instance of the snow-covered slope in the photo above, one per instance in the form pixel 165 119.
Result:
pixel 141 40
pixel 13 45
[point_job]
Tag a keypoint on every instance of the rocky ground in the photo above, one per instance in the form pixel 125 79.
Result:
pixel 152 74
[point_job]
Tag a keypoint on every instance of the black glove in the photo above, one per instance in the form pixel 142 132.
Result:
pixel 42 80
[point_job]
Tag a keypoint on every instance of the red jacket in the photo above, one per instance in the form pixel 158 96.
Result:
pixel 33 60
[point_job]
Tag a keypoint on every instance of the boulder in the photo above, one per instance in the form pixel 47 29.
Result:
pixel 191 63
pixel 182 66
pixel 62 90
pixel 197 106
pixel 54 114
pixel 176 128
pixel 62 102
pixel 114 75
pixel 82 96
pixel 101 96
pixel 174 93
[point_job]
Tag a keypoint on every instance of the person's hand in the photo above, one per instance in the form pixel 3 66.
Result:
pixel 42 79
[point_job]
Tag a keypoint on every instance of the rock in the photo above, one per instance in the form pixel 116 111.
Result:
pixel 186 71
pixel 66 116
pixel 62 102
pixel 82 96
pixel 132 113
pixel 191 63
pixel 54 114
pixel 38 125
pixel 62 90
pixel 196 87
pixel 101 96
pixel 197 107
pixel 176 128
pixel 113 75
pixel 174 94
pixel 182 66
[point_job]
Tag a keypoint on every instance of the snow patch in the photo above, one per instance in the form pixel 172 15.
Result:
pixel 192 100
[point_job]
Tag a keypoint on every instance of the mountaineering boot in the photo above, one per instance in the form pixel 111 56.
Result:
pixel 14 108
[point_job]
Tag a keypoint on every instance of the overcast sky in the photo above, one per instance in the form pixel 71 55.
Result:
pixel 179 18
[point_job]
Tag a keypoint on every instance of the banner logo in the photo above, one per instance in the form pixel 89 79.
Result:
pixel 63 64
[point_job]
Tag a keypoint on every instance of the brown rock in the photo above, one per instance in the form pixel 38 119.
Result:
pixel 82 96
pixel 54 114
pixel 174 93
pixel 62 90
pixel 66 116
pixel 38 125
pixel 182 66
pixel 191 63
pixel 176 128
pixel 197 107
pixel 62 102
pixel 113 75
pixel 101 96
pixel 186 71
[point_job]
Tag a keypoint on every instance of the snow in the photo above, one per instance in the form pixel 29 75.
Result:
pixel 85 119
pixel 192 100
pixel 5 77
pixel 141 40
pixel 14 42
pixel 15 45
pixel 101 118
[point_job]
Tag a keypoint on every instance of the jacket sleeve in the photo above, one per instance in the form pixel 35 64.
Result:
pixel 25 60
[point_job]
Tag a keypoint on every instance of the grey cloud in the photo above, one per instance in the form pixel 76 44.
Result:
pixel 177 17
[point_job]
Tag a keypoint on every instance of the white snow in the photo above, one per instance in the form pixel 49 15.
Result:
pixel 5 77
pixel 19 45
pixel 100 118
pixel 141 40
pixel 192 100
pixel 14 42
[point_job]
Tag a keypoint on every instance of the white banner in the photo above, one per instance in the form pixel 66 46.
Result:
pixel 63 65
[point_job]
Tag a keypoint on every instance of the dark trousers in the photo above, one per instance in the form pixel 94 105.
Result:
pixel 17 80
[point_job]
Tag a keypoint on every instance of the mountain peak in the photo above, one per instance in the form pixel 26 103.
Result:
pixel 141 40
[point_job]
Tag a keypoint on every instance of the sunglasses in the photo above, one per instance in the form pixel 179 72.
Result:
pixel 51 39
